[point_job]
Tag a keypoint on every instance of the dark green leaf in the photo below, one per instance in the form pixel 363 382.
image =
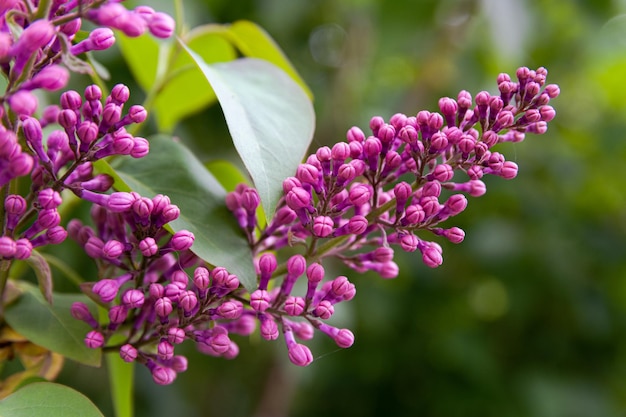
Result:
pixel 46 399
pixel 52 326
pixel 270 119
pixel 171 169
pixel 43 273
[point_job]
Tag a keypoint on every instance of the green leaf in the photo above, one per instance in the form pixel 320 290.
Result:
pixel 270 119
pixel 46 399
pixel 171 169
pixel 52 325
pixel 43 273
pixel 142 56
pixel 184 91
pixel 254 42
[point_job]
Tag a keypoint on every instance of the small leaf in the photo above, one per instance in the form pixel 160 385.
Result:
pixel 52 326
pixel 270 119
pixel 43 273
pixel 46 399
pixel 171 169
pixel 254 42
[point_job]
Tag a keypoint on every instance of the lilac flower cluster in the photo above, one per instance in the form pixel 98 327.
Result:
pixel 35 49
pixel 149 296
pixel 39 48
pixel 355 201
pixel 392 188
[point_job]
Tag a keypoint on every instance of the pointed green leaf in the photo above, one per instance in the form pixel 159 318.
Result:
pixel 270 119
pixel 43 273
pixel 46 399
pixel 184 91
pixel 52 325
pixel 254 42
pixel 171 169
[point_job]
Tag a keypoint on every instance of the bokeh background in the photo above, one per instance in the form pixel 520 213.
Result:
pixel 527 317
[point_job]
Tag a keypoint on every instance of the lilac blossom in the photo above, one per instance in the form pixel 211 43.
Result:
pixel 353 201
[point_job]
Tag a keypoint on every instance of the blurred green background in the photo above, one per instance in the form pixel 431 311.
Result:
pixel 527 317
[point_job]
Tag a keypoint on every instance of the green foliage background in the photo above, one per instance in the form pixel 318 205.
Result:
pixel 524 318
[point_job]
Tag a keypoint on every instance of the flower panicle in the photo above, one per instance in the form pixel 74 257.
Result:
pixel 393 187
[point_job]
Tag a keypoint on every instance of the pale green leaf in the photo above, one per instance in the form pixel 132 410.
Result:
pixel 270 119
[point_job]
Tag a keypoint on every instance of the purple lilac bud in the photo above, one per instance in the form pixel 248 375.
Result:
pixel 161 375
pixel 128 353
pixel 296 265
pixel 182 240
pixel 188 301
pixel 37 35
pixel 267 266
pixel 161 25
pixel 23 103
pixel 23 249
pixel 431 253
pixel 230 310
pixel 324 310
pixel 298 354
pixel 80 311
pixel 294 306
pixel 323 226
pixel 112 249
pixel 163 307
pixel 148 247
pixel 49 198
pixel 141 147
pixel 343 337
pixel 94 339
pixel 260 300
pixel 175 335
pixel 50 78
pixel 15 207
pixel 269 328
pixel 165 350
pixel 409 242
pixel 117 315
pixel 179 363
pixel 120 202
pixel 133 298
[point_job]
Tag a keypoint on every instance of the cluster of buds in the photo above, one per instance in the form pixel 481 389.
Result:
pixel 39 48
pixel 391 188
pixel 155 303
pixel 35 44
pixel 36 48
pixel 63 160
pixel 149 297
